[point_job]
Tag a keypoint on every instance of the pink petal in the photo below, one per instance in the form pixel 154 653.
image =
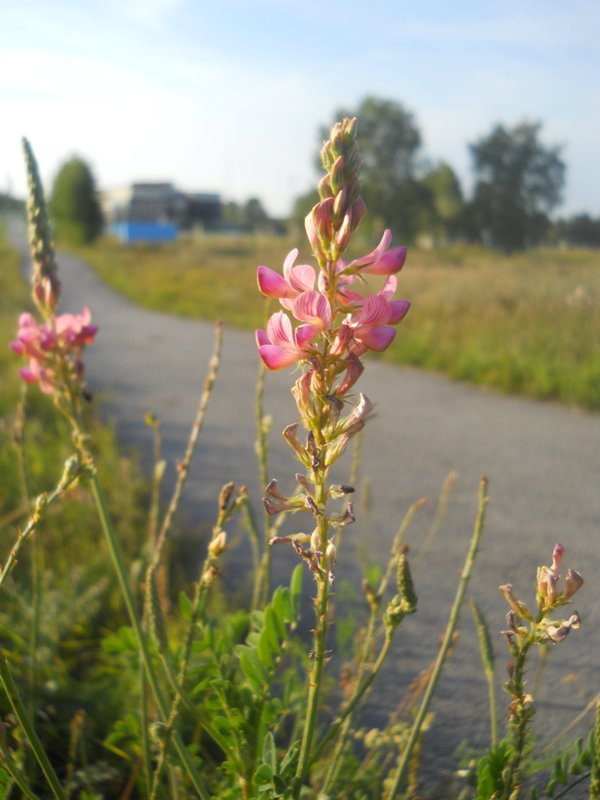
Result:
pixel 279 330
pixel 377 338
pixel 375 311
pixel 388 263
pixel 289 262
pixel 305 334
pixel 271 284
pixel 375 254
pixel 313 307
pixel 277 357
pixel 261 337
pixel 302 277
pixel 398 310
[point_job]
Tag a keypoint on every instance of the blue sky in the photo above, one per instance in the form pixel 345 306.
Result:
pixel 228 95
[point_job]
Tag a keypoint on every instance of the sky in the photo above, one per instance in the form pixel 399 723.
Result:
pixel 229 96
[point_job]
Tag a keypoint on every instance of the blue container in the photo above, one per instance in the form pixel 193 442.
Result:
pixel 151 232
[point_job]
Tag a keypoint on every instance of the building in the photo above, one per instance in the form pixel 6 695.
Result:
pixel 156 212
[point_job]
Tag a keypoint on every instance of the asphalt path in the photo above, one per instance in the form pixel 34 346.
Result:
pixel 542 461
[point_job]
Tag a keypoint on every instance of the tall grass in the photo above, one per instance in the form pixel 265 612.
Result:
pixel 527 324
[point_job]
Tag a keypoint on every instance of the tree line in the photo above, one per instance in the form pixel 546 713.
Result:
pixel 518 182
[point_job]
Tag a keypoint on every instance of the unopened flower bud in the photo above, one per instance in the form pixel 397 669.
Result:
pixel 225 495
pixel 406 588
pixel 557 555
pixel 339 205
pixel 218 545
pixel 358 210
pixel 342 237
pixel 336 174
pixel 325 188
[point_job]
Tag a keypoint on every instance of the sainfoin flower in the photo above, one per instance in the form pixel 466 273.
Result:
pixel 53 348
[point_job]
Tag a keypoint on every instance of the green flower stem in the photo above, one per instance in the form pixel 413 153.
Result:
pixel 445 646
pixel 343 724
pixel 262 573
pixel 21 714
pixel 320 637
pixel 117 560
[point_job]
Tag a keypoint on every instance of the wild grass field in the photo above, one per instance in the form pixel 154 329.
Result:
pixel 525 324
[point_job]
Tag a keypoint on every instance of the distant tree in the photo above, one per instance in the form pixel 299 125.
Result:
pixel 518 182
pixel 580 230
pixel 389 141
pixel 255 215
pixel 74 205
pixel 446 203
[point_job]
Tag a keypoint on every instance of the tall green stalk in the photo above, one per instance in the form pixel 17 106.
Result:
pixel 415 731
pixel 17 705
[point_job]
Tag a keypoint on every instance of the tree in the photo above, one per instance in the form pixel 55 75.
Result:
pixel 74 205
pixel 389 141
pixel 518 182
pixel 446 202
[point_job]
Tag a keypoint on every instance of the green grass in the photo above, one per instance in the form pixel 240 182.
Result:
pixel 528 324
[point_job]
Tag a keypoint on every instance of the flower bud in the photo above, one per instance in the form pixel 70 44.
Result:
pixel 557 555
pixel 325 188
pixel 336 175
pixel 225 495
pixel 218 545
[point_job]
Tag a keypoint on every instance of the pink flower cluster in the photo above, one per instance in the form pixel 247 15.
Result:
pixel 53 348
pixel 353 322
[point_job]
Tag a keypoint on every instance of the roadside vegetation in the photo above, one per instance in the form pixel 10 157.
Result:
pixel 526 324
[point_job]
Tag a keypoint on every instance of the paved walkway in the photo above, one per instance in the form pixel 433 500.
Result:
pixel 543 462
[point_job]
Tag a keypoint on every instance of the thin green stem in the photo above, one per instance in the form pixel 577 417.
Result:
pixel 445 646
pixel 319 641
pixel 16 774
pixel 22 716
pixel 117 560
pixel 342 725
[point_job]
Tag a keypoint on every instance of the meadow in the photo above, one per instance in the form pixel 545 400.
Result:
pixel 527 324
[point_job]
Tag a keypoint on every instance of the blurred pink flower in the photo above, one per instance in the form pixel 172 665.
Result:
pixel 67 335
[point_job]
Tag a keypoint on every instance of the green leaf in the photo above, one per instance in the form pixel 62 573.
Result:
pixel 269 753
pixel 185 606
pixel 296 589
pixel 263 774
pixel 282 606
pixel 271 630
pixel 264 650
pixel 251 667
